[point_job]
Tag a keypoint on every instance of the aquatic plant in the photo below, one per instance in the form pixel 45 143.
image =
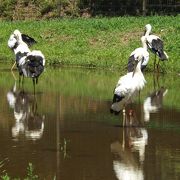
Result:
pixel 30 174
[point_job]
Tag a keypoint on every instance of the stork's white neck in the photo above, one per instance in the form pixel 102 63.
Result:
pixel 138 69
pixel 144 45
pixel 148 30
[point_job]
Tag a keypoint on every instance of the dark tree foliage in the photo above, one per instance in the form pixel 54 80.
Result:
pixel 38 9
pixel 129 7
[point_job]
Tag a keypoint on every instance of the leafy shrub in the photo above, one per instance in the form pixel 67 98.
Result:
pixel 7 8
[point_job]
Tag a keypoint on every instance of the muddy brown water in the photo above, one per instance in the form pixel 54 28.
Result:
pixel 67 131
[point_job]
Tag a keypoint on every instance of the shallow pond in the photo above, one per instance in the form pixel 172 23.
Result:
pixel 67 131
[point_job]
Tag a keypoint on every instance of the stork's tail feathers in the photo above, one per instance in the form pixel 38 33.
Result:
pixel 114 111
pixel 36 62
pixel 163 55
pixel 36 58
pixel 116 104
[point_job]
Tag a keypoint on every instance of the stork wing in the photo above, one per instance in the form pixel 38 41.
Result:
pixel 28 40
pixel 157 44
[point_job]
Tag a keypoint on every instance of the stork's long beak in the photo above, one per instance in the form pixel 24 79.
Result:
pixel 136 62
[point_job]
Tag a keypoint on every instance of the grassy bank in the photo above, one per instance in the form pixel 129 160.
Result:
pixel 99 42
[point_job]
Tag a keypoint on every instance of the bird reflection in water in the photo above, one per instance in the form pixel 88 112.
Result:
pixel 130 154
pixel 128 112
pixel 27 120
pixel 154 100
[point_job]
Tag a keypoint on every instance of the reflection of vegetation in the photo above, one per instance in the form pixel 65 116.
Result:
pixel 164 126
pixel 30 174
pixel 94 84
pixel 165 161
pixel 74 85
pixel 166 158
pixel 88 93
pixel 30 171
pixel 63 148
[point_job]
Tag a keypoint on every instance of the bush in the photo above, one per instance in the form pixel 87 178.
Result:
pixel 7 8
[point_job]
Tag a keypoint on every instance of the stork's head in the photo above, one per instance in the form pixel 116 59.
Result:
pixel 148 29
pixel 148 26
pixel 17 35
pixel 14 39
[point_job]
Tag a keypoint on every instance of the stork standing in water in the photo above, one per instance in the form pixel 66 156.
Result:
pixel 155 44
pixel 133 56
pixel 29 63
pixel 128 85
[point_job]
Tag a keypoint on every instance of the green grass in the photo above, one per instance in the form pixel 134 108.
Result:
pixel 95 42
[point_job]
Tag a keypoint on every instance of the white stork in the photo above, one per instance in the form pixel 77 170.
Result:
pixel 29 63
pixel 155 44
pixel 20 44
pixel 127 86
pixel 141 50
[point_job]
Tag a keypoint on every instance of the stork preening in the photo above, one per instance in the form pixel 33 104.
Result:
pixel 20 44
pixel 155 44
pixel 133 56
pixel 128 85
pixel 29 63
